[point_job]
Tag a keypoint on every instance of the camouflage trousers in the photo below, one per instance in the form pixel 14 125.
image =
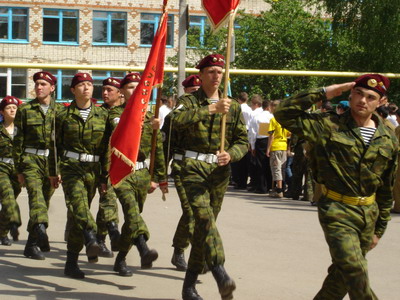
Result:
pixel 205 185
pixel 36 174
pixel 348 231
pixel 108 210
pixel 132 193
pixel 9 191
pixel 184 230
pixel 79 182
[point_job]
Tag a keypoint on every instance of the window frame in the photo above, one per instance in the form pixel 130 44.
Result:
pixel 109 28
pixel 9 16
pixel 61 18
pixel 156 21
pixel 8 74
pixel 203 25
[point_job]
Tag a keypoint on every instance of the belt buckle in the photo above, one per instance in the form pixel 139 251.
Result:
pixel 90 157
pixel 83 157
pixel 362 200
pixel 209 158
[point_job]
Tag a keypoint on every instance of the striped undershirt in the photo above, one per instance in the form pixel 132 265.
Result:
pixel 84 112
pixel 45 108
pixel 213 100
pixel 367 133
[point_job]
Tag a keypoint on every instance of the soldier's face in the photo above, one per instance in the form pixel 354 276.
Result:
pixel 43 89
pixel 9 112
pixel 83 90
pixel 111 95
pixel 128 90
pixel 363 102
pixel 211 77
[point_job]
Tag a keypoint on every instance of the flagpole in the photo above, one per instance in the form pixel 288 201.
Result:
pixel 226 79
pixel 154 136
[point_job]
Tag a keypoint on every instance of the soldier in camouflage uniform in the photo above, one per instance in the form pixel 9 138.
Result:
pixel 132 192
pixel 175 150
pixel 32 145
pixel 82 143
pixel 10 217
pixel 355 157
pixel 205 172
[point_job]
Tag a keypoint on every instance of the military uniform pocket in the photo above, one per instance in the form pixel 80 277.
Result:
pixel 380 164
pixel 97 133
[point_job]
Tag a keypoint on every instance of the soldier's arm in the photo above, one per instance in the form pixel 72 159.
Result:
pixel 238 147
pixel 187 114
pixel 18 142
pixel 53 164
pixel 160 174
pixel 105 156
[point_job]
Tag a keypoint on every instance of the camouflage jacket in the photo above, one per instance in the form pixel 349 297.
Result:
pixel 34 129
pixel 76 135
pixel 6 143
pixel 160 173
pixel 202 131
pixel 341 160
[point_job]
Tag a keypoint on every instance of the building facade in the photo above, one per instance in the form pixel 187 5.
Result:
pixel 87 32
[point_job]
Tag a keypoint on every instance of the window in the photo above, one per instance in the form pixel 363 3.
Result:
pixel 64 78
pixel 148 27
pixel 109 28
pixel 195 35
pixel 13 24
pixel 13 82
pixel 60 26
pixel 99 76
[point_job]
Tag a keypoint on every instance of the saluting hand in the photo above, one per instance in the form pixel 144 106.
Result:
pixel 336 90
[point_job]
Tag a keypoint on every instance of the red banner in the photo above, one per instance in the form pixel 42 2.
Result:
pixel 218 11
pixel 125 140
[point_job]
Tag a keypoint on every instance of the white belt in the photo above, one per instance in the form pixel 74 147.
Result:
pixel 40 152
pixel 208 158
pixel 7 160
pixel 177 156
pixel 140 165
pixel 82 157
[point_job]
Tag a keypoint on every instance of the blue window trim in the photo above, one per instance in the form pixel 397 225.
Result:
pixel 156 22
pixel 202 24
pixel 9 16
pixel 61 18
pixel 109 29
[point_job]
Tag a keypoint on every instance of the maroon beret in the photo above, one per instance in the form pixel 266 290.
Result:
pixel 45 76
pixel 212 60
pixel 9 100
pixel 375 82
pixel 131 77
pixel 80 77
pixel 115 82
pixel 192 80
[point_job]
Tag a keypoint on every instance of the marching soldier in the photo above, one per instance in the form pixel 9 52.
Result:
pixel 132 192
pixel 10 217
pixel 82 143
pixel 32 144
pixel 205 171
pixel 355 158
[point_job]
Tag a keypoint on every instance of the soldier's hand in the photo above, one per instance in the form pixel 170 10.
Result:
pixel 163 187
pixel 222 106
pixel 336 90
pixel 375 241
pixel 153 186
pixel 55 181
pixel 223 158
pixel 155 123
pixel 21 179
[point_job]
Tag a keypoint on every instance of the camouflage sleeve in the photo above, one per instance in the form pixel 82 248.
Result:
pixel 18 141
pixel 292 115
pixel 105 155
pixel 238 147
pixel 160 173
pixel 384 196
pixel 54 169
pixel 186 114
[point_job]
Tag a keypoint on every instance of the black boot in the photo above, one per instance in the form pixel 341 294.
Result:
pixel 92 247
pixel 225 284
pixel 32 250
pixel 189 291
pixel 42 238
pixel 71 266
pixel 14 231
pixel 178 260
pixel 104 251
pixel 5 241
pixel 147 256
pixel 114 235
pixel 120 265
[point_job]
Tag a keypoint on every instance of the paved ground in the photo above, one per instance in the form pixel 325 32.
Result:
pixel 275 251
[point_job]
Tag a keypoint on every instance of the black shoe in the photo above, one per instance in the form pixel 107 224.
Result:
pixel 32 250
pixel 42 238
pixel 147 256
pixel 114 235
pixel 71 266
pixel 226 285
pixel 120 265
pixel 251 189
pixel 178 260
pixel 189 291
pixel 5 241
pixel 240 187
pixel 14 232
pixel 260 192
pixel 104 251
pixel 92 247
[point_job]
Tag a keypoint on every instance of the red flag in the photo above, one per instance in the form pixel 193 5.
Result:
pixel 218 11
pixel 125 140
